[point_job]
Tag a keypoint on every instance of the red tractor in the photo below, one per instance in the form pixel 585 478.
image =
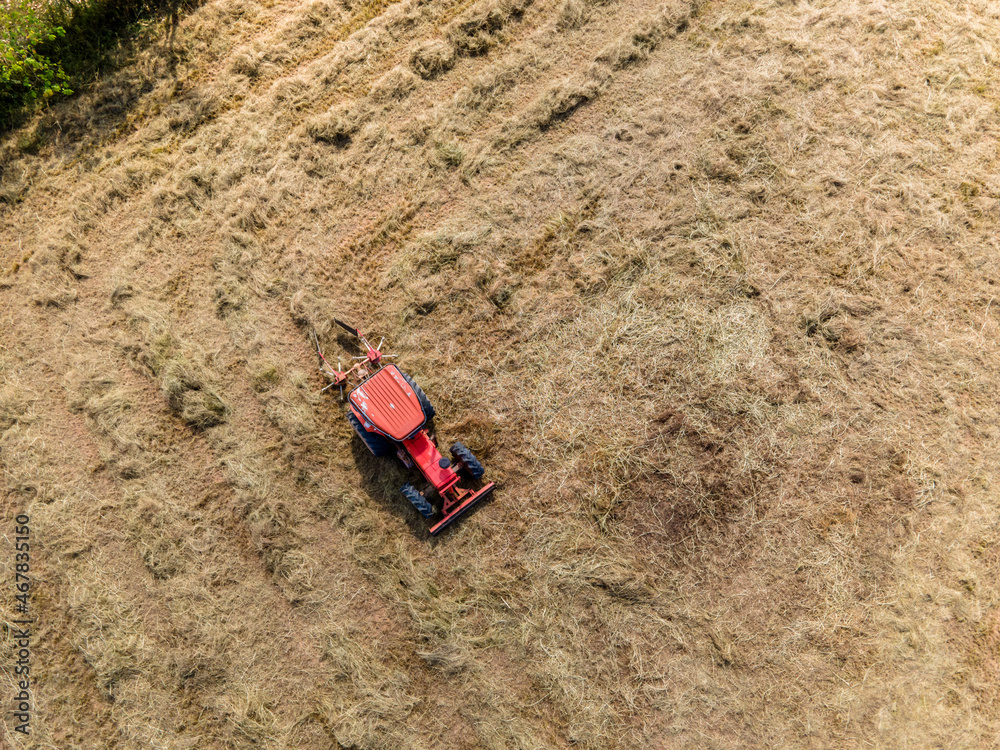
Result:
pixel 389 413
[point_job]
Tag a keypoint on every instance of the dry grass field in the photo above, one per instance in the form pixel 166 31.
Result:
pixel 711 288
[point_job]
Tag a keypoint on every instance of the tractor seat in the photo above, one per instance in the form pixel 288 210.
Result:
pixel 387 403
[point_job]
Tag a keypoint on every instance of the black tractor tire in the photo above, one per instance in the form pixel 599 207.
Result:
pixel 468 461
pixel 377 444
pixel 425 403
pixel 417 500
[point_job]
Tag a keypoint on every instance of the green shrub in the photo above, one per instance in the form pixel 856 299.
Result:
pixel 49 47
pixel 26 75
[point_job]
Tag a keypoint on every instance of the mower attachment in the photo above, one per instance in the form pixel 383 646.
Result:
pixel 454 513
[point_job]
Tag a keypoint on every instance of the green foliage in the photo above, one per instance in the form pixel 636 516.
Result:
pixel 26 75
pixel 50 47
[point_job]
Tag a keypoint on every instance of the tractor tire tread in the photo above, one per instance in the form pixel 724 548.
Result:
pixel 468 461
pixel 378 445
pixel 417 500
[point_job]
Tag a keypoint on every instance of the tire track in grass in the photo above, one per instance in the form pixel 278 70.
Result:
pixel 248 440
pixel 97 577
pixel 215 87
pixel 341 517
pixel 381 159
pixel 400 561
pixel 60 667
pixel 193 454
pixel 627 58
pixel 560 100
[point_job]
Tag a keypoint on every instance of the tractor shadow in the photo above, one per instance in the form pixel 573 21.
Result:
pixel 381 479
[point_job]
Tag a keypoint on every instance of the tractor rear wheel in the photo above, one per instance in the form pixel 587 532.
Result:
pixel 376 443
pixel 425 403
pixel 417 500
pixel 464 456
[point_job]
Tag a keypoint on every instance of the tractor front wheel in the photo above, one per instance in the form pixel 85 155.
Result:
pixel 464 456
pixel 377 444
pixel 417 500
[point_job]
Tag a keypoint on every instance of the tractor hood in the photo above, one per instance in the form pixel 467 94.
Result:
pixel 386 402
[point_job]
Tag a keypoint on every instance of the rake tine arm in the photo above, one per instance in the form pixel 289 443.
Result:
pixel 348 328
